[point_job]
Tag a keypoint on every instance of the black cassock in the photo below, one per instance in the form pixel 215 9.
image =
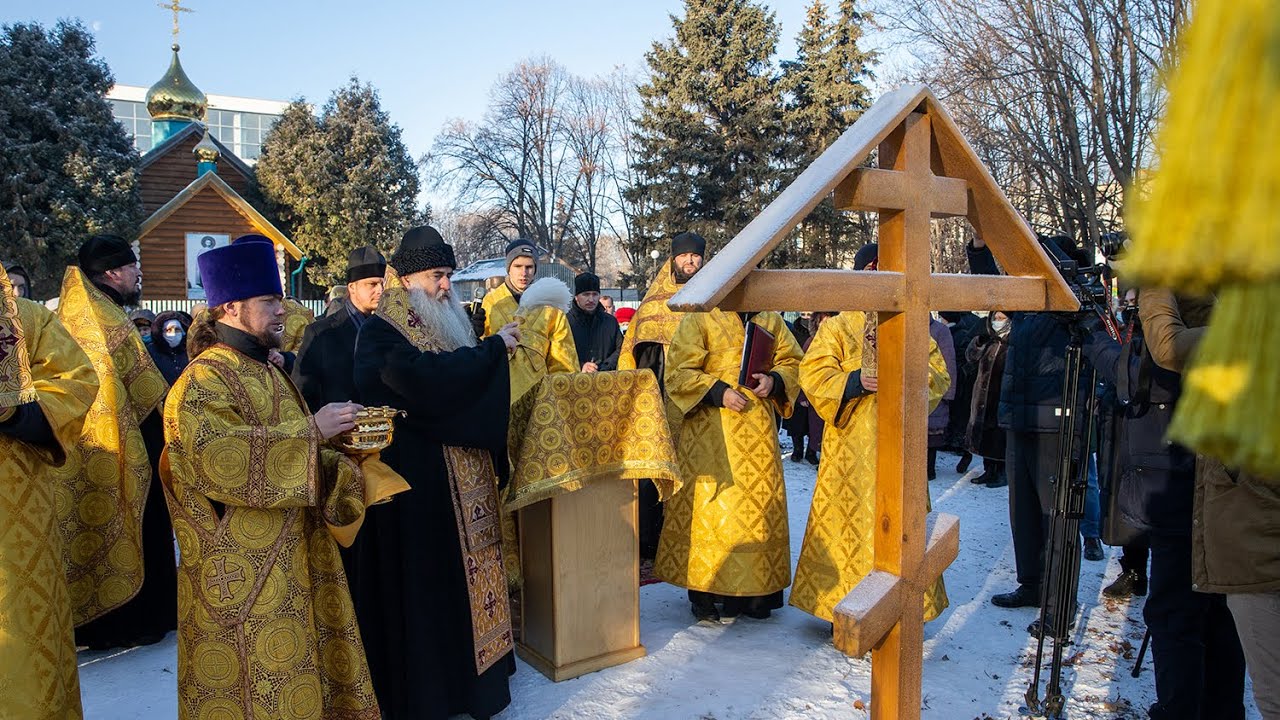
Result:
pixel 324 369
pixel 410 590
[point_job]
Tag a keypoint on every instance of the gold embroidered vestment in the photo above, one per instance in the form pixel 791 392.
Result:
pixel 725 530
pixel 499 308
pixel 102 487
pixel 38 659
pixel 266 627
pixel 296 319
pixel 838 542
pixel 654 322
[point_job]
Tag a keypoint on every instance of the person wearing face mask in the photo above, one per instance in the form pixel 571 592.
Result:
pixel 143 320
pixel 984 437
pixel 169 343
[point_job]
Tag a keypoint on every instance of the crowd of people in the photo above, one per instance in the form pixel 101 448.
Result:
pixel 298 592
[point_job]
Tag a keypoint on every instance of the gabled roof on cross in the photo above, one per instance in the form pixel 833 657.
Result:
pixel 961 186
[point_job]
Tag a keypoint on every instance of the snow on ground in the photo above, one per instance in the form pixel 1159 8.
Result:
pixel 977 657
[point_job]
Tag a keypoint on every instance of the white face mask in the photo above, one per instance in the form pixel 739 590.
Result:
pixel 1000 326
pixel 174 338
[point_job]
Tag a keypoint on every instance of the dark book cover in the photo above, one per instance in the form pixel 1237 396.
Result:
pixel 757 354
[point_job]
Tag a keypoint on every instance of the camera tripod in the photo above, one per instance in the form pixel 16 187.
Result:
pixel 1062 551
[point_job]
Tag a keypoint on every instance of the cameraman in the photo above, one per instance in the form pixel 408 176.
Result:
pixel 1030 409
pixel 1198 662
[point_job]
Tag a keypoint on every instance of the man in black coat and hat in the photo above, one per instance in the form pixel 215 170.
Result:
pixel 595 332
pixel 431 592
pixel 326 359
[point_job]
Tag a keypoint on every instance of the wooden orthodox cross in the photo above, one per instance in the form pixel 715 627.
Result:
pixel 925 170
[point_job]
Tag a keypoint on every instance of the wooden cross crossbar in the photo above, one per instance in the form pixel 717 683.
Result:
pixel 926 170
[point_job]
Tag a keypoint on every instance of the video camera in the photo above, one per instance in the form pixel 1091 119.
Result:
pixel 1112 244
pixel 1085 282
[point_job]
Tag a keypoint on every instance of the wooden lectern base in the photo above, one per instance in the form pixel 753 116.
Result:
pixel 580 554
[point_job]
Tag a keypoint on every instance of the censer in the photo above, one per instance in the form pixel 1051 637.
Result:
pixel 372 433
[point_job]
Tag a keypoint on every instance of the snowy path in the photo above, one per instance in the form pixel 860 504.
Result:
pixel 977 657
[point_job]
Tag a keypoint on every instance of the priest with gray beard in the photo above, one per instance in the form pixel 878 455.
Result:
pixel 430 594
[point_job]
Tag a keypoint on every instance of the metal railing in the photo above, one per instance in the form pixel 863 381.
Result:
pixel 159 306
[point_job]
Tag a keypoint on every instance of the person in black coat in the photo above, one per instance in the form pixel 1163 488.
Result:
pixel 323 371
pixel 595 332
pixel 418 562
pixel 984 437
pixel 168 346
pixel 1030 412
pixel 1199 664
pixel 964 326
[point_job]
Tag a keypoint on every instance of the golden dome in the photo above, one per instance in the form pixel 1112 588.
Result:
pixel 206 150
pixel 175 97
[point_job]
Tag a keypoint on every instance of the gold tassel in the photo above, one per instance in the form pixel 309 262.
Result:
pixel 1209 215
pixel 1231 393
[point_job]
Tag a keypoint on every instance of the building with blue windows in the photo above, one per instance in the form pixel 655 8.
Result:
pixel 238 123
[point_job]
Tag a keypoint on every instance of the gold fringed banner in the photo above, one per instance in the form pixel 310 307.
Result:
pixel 581 428
pixel 1231 392
pixel 16 386
pixel 1208 216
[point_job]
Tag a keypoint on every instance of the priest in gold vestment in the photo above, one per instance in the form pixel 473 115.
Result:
pixel 118 544
pixel 725 535
pixel 266 625
pixel 645 347
pixel 838 542
pixel 46 387
pixel 546 341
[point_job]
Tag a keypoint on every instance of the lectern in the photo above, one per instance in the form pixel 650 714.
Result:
pixel 579 443
pixel 581 608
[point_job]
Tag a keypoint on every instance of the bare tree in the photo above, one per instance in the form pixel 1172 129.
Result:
pixel 475 235
pixel 1060 97
pixel 548 161
pixel 588 134
pixel 624 107
pixel 514 159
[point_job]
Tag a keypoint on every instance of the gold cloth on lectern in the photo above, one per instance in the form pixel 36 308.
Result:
pixel 581 428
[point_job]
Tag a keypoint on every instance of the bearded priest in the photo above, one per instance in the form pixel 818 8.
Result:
pixel 265 623
pixel 431 595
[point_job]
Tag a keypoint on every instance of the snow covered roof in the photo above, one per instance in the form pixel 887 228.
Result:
pixel 482 270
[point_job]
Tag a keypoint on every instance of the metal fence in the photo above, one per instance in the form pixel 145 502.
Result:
pixel 159 306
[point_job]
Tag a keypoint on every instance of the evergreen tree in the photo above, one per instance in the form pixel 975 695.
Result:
pixel 69 169
pixel 341 180
pixel 709 135
pixel 825 92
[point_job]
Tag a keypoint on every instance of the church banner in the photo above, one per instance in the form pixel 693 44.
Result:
pixel 197 245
